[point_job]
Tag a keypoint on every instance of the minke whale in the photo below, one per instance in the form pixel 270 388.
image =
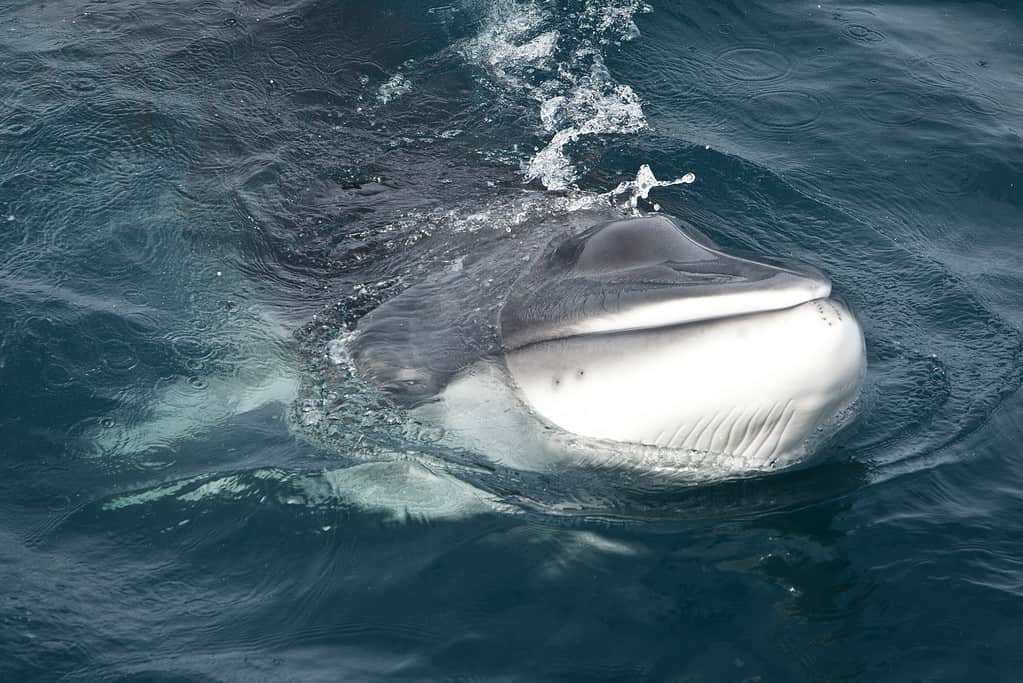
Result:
pixel 631 343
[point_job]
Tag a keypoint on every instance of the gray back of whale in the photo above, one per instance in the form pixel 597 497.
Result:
pixel 615 276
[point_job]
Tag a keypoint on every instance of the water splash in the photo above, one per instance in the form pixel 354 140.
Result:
pixel 395 87
pixel 558 62
pixel 640 188
pixel 594 106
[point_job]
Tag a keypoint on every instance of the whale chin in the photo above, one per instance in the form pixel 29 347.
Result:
pixel 754 392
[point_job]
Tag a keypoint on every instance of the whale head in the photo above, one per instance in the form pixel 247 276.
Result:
pixel 643 331
pixel 636 342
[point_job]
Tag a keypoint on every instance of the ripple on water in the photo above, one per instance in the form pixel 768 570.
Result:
pixel 894 107
pixel 254 371
pixel 82 431
pixel 950 172
pixel 195 364
pixel 14 231
pixel 85 83
pixel 678 74
pixel 248 96
pixel 17 126
pixel 330 63
pixel 156 134
pixel 56 375
pixel 46 95
pixel 283 56
pixel 110 17
pixel 207 9
pixel 27 64
pixel 753 64
pixel 203 322
pixel 117 355
pixel 863 34
pixel 135 296
pixel 200 60
pixel 784 110
pixel 41 327
pixel 154 459
pixel 154 76
pixel 191 348
pixel 941 71
pixel 76 144
pixel 922 384
pixel 117 434
pixel 71 171
pixel 125 169
pixel 982 105
pixel 134 68
pixel 143 122
pixel 132 245
pixel 92 436
pixel 211 52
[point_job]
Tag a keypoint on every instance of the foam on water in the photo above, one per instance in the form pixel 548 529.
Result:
pixel 558 62
pixel 395 87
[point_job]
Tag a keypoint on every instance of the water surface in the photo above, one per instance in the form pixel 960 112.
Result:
pixel 197 199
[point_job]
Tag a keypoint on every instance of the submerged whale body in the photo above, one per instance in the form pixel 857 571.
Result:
pixel 631 343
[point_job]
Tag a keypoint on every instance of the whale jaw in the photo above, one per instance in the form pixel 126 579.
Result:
pixel 756 392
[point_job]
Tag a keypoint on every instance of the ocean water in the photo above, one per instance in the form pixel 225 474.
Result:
pixel 200 198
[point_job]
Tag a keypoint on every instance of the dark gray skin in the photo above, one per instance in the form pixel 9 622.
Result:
pixel 413 344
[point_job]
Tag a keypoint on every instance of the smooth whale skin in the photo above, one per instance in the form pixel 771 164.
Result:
pixel 754 387
pixel 633 342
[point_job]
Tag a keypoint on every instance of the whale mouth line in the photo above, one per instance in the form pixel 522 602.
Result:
pixel 673 324
pixel 660 316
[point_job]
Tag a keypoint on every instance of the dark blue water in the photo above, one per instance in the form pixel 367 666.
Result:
pixel 198 198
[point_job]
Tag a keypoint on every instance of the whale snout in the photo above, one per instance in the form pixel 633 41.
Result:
pixel 827 345
pixel 827 360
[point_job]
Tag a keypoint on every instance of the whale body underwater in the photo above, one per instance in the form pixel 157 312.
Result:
pixel 633 343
